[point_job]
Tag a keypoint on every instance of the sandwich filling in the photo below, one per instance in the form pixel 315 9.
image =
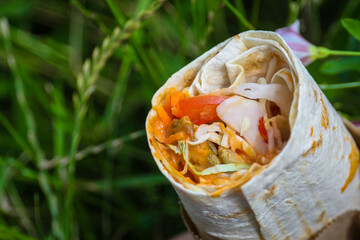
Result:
pixel 230 122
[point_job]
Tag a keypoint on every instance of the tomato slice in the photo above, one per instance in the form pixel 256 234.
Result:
pixel 262 129
pixel 200 109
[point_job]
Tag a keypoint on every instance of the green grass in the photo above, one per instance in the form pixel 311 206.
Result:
pixel 76 81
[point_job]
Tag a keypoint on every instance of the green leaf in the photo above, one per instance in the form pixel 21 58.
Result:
pixel 7 233
pixel 341 65
pixel 16 8
pixel 352 26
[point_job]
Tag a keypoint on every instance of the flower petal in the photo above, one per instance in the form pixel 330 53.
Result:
pixel 297 43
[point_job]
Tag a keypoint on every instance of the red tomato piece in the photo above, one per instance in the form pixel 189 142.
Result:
pixel 200 109
pixel 262 129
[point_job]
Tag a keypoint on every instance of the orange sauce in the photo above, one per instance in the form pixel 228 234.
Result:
pixel 176 137
pixel 198 156
pixel 158 129
pixel 197 153
pixel 354 163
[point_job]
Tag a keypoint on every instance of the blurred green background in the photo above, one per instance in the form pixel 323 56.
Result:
pixel 74 162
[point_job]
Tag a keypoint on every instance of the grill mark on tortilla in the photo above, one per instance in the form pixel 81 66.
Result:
pixel 271 210
pixel 306 227
pixel 311 131
pixel 313 147
pixel 303 220
pixel 325 218
pixel 315 95
pixel 280 226
pixel 324 114
pixel 307 153
pixel 322 218
pixel 249 214
pixel 278 223
pixel 270 193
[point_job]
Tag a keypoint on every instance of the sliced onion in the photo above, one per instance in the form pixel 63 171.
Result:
pixel 233 111
pixel 274 92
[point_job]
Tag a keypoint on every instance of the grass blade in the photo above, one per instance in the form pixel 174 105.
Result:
pixel 136 181
pixel 113 143
pixel 85 85
pixel 255 12
pixel 240 16
pixel 15 135
pixel 116 12
pixel 20 209
pixel 352 26
pixel 91 15
pixel 114 105
pixel 31 128
pixel 8 233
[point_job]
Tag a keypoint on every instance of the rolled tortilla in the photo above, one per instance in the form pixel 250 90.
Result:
pixel 309 183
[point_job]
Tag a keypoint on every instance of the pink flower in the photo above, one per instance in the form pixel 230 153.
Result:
pixel 301 47
pixel 356 123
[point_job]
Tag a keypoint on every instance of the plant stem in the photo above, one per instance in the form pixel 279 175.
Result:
pixel 31 129
pixel 339 85
pixel 85 85
pixel 113 143
pixel 91 15
pixel 343 53
pixel 322 52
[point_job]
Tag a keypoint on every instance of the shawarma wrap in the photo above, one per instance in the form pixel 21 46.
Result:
pixel 251 145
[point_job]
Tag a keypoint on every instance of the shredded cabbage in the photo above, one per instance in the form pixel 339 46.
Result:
pixel 174 148
pixel 182 148
pixel 229 167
